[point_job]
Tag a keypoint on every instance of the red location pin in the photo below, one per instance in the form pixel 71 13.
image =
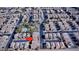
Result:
pixel 28 38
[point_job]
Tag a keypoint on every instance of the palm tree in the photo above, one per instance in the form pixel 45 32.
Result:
pixel 18 30
pixel 33 28
pixel 25 24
